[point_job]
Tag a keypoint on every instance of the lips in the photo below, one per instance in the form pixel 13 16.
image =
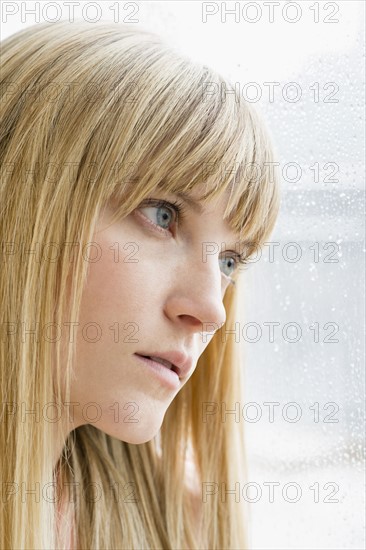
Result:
pixel 177 361
pixel 162 361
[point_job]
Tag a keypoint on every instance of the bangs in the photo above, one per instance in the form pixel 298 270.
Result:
pixel 191 137
pixel 160 122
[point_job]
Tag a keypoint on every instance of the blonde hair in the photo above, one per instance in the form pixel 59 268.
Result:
pixel 143 116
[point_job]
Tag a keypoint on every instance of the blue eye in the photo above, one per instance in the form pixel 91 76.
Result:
pixel 163 216
pixel 229 265
pixel 166 213
pixel 235 260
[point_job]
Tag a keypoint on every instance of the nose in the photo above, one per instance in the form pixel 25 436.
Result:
pixel 196 298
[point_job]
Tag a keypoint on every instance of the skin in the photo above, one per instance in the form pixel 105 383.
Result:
pixel 167 295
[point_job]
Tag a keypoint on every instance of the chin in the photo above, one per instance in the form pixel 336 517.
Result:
pixel 136 434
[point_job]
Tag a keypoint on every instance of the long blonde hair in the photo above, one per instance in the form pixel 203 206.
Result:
pixel 90 112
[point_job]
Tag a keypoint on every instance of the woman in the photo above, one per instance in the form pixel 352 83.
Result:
pixel 132 188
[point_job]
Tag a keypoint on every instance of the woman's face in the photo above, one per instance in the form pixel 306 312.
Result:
pixel 156 287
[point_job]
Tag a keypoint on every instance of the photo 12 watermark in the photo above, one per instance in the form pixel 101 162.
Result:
pixel 51 12
pixel 271 491
pixel 53 412
pixel 273 92
pixel 68 491
pixel 270 411
pixel 270 12
pixel 271 332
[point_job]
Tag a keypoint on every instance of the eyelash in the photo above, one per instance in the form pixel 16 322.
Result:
pixel 180 211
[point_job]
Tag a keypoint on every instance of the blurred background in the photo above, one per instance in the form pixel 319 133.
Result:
pixel 302 314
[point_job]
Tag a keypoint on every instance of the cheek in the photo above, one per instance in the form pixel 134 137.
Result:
pixel 114 286
pixel 124 292
pixel 107 286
